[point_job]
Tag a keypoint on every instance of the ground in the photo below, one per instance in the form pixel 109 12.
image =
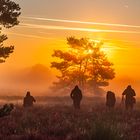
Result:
pixel 62 122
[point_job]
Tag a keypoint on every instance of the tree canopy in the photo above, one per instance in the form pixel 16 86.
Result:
pixel 9 12
pixel 5 51
pixel 84 64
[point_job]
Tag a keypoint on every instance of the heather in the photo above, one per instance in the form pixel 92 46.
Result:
pixel 63 122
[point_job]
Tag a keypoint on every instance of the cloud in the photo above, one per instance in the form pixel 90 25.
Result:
pixel 126 6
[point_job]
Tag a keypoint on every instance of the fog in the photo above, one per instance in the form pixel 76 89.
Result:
pixel 39 78
pixel 120 83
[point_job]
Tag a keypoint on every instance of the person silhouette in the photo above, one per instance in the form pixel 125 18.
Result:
pixel 129 94
pixel 28 100
pixel 110 99
pixel 76 95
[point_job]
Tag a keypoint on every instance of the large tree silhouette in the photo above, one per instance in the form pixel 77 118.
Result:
pixel 9 12
pixel 84 64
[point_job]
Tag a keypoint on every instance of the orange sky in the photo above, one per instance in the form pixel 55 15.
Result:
pixel 39 34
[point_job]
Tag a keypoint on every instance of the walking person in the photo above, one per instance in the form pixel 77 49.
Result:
pixel 129 99
pixel 28 100
pixel 110 99
pixel 76 96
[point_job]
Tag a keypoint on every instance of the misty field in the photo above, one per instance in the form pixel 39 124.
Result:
pixel 62 122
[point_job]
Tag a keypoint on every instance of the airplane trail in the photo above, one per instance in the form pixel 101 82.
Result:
pixel 83 22
pixel 76 29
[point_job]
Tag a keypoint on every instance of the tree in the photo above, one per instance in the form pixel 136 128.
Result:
pixel 84 64
pixel 9 12
pixel 4 51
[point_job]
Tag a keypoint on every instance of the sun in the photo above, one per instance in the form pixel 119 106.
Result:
pixel 89 51
pixel 108 50
pixel 105 50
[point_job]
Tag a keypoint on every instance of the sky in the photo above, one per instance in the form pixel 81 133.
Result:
pixel 45 25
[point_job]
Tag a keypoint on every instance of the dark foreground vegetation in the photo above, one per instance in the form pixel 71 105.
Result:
pixel 62 122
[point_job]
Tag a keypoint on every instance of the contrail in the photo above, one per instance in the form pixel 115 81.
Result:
pixel 76 29
pixel 83 22
pixel 31 36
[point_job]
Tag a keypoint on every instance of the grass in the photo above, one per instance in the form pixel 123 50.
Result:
pixel 64 123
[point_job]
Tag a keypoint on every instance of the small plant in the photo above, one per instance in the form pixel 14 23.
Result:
pixel 6 110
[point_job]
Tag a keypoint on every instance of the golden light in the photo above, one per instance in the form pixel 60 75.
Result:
pixel 105 50
pixel 89 51
pixel 108 50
